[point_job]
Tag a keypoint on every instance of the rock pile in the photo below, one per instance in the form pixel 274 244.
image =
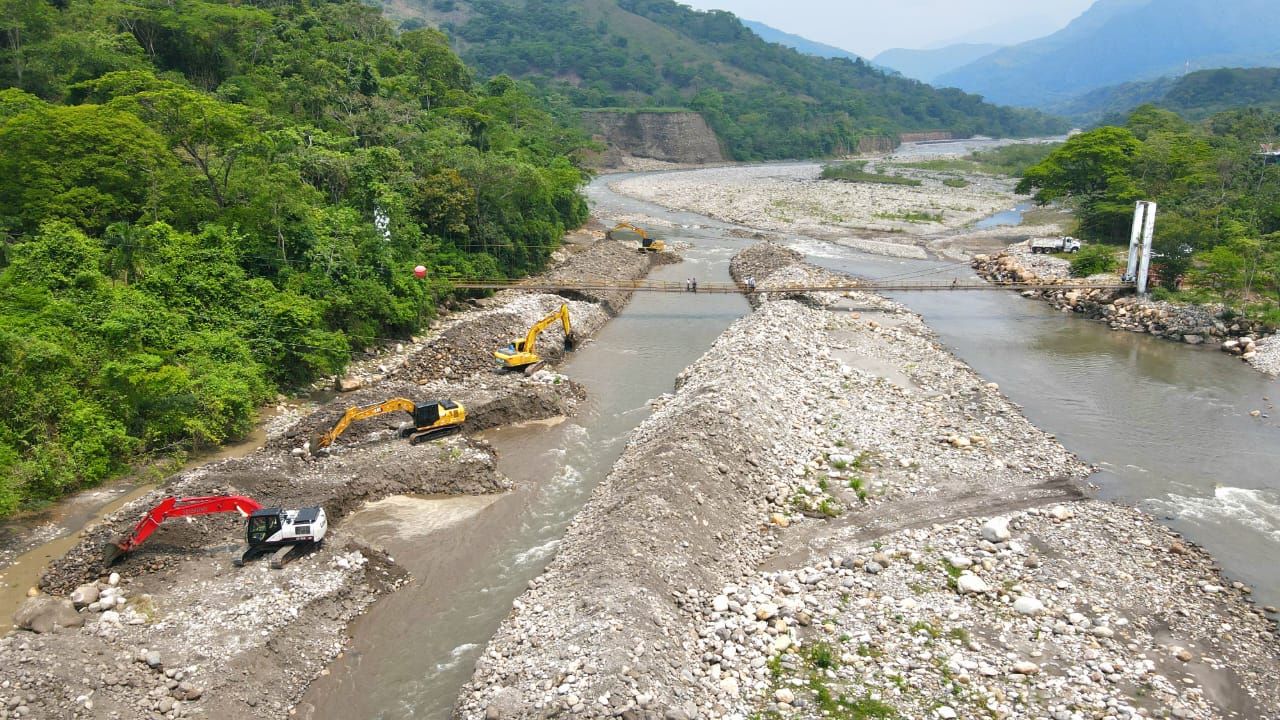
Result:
pixel 998 614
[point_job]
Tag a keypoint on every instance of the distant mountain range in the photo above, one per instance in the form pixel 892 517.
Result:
pixel 1118 41
pixel 927 65
pixel 763 99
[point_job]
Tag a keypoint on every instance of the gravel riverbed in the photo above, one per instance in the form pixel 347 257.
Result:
pixel 832 516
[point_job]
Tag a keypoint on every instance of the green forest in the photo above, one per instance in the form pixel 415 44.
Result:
pixel 1194 96
pixel 764 101
pixel 202 204
pixel 1218 196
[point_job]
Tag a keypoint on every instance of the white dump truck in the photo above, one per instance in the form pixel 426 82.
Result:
pixel 1066 243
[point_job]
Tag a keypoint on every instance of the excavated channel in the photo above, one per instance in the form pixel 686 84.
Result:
pixel 470 557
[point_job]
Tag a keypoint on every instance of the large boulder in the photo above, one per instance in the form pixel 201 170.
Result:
pixel 43 613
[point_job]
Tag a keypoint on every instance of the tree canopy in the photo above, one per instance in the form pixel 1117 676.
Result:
pixel 1217 191
pixel 205 203
pixel 763 100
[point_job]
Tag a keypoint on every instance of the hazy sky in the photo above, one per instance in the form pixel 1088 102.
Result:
pixel 869 27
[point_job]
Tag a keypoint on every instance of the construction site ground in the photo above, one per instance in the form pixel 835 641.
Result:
pixel 175 629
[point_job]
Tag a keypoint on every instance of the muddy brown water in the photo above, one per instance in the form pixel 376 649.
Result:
pixel 471 557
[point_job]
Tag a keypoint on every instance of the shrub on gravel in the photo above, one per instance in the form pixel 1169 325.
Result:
pixel 1093 259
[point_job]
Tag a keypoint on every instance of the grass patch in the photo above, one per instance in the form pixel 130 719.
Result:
pixel 870 651
pixel 942 165
pixel 852 172
pixel 1012 160
pixel 1042 216
pixel 855 484
pixel 927 628
pixel 911 216
pixel 955 182
pixel 822 656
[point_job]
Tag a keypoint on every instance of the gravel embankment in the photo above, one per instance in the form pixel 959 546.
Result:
pixel 927 553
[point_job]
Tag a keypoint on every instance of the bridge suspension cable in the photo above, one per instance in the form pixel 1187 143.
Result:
pixel 605 285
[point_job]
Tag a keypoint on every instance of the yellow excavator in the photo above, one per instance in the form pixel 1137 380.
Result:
pixel 522 353
pixel 647 244
pixel 432 419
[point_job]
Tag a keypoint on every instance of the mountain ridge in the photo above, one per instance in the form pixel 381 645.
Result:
pixel 1119 41
pixel 764 100
pixel 927 65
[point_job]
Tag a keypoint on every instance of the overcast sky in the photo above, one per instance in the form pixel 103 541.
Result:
pixel 869 27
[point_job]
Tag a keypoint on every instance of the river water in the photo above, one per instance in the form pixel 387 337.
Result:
pixel 1167 425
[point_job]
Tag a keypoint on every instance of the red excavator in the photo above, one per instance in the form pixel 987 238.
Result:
pixel 284 531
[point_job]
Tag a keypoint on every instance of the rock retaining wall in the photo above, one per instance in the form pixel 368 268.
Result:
pixel 1122 310
pixel 677 137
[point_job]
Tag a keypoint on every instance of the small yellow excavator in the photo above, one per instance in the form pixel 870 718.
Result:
pixel 431 420
pixel 521 354
pixel 647 244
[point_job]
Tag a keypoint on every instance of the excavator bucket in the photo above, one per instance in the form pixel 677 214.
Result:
pixel 570 342
pixel 112 551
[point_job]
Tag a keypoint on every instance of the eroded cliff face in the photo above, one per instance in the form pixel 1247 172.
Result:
pixel 676 137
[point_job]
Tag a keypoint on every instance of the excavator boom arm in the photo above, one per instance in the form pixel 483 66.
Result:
pixel 360 413
pixel 562 315
pixel 172 507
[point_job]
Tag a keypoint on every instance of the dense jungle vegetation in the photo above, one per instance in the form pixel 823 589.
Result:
pixel 205 202
pixel 764 101
pixel 1218 196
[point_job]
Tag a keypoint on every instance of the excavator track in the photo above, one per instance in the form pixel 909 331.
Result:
pixel 280 556
pixel 434 434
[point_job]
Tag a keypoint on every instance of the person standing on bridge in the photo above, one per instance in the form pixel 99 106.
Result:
pixel 751 284
pixel 693 284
